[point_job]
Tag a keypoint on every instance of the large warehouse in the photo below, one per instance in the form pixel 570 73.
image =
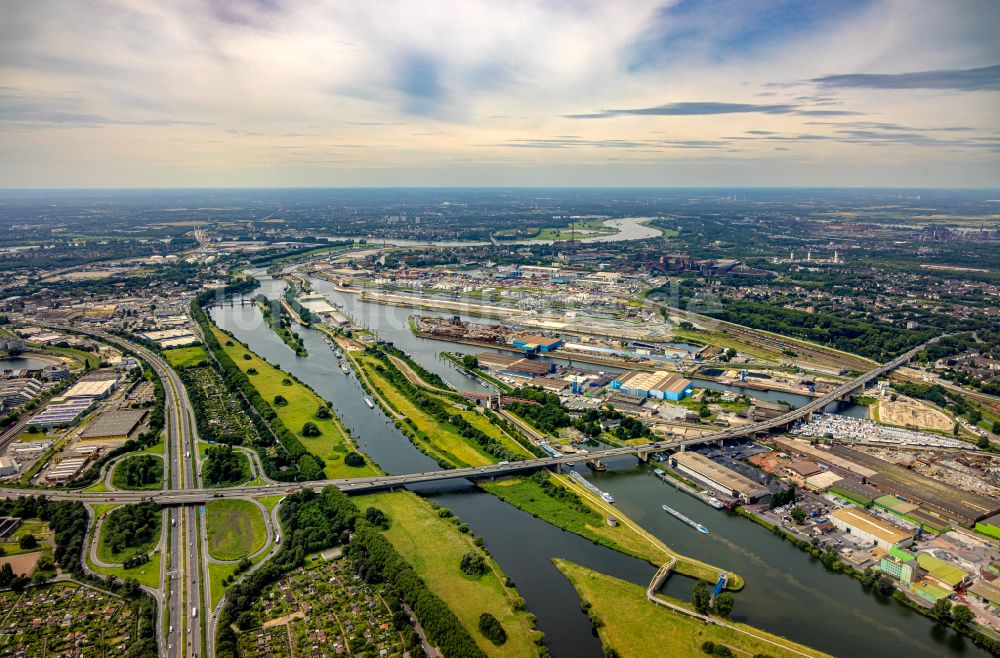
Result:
pixel 661 385
pixel 114 424
pixel 870 529
pixel 702 469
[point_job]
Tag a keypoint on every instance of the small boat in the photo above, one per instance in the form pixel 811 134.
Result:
pixel 607 497
pixel 369 402
pixel 714 502
pixel 343 367
pixel 485 384
pixel 697 526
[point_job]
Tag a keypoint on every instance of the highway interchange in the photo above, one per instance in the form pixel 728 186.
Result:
pixel 189 620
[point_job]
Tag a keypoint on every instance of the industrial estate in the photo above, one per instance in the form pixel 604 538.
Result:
pixel 297 444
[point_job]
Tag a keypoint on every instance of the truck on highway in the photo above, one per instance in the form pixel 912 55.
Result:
pixel 194 612
pixel 277 539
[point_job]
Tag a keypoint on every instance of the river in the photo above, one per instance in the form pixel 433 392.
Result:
pixel 787 592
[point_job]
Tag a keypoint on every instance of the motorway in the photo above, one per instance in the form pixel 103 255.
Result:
pixel 185 581
pixel 190 495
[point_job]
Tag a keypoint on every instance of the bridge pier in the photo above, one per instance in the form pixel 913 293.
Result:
pixel 596 465
pixel 643 456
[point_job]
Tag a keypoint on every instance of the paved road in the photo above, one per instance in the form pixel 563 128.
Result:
pixel 188 598
pixel 380 482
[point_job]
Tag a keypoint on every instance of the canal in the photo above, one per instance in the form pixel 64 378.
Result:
pixel 787 592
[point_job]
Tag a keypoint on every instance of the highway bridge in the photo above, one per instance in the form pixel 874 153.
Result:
pixel 184 496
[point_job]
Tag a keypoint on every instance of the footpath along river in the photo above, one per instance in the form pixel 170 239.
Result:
pixel 786 592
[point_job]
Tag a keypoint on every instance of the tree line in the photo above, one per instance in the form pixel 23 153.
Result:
pixel 293 462
pixel 315 521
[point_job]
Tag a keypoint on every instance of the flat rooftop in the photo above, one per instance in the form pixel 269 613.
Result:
pixel 871 524
pixel 718 473
pixel 661 380
pixel 962 505
pixel 114 423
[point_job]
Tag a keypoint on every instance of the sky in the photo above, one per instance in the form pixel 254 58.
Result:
pixel 713 93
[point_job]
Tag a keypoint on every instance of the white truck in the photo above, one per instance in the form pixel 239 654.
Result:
pixel 194 612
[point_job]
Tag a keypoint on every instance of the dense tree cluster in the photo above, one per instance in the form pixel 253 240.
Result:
pixel 138 472
pixel 491 629
pixel 473 564
pixel 225 466
pixel 130 526
pixel 548 415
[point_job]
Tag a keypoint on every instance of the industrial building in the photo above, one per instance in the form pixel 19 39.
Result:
pixel 766 410
pixel 19 391
pixel 67 469
pixel 899 565
pixel 536 344
pixel 97 389
pixel 943 574
pixel 870 529
pixel 114 424
pixel 8 467
pixel 718 477
pixel 661 385
pixel 932 496
pixel 529 368
pixel 61 412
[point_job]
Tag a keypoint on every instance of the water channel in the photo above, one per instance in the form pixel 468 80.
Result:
pixel 787 592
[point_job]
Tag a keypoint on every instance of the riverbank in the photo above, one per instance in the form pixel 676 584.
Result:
pixel 621 611
pixel 559 501
pixel 832 563
pixel 295 405
pixel 434 542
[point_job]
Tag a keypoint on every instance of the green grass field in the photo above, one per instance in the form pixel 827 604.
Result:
pixel 626 537
pixel 333 443
pixel 527 495
pixel 183 357
pixel 270 501
pixel 434 547
pixel 235 529
pixel 635 627
pixel 39 529
pixel 442 441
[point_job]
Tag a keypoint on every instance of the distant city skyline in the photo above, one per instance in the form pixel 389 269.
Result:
pixel 275 93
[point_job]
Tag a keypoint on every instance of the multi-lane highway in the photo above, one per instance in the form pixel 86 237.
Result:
pixel 193 495
pixel 186 556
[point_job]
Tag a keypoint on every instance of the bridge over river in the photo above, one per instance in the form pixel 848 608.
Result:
pixel 383 482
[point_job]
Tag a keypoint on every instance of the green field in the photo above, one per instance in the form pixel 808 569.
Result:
pixel 147 574
pixel 332 444
pixel 437 439
pixel 528 495
pixel 184 357
pixel 270 501
pixel 635 627
pixel 235 529
pixel 39 529
pixel 434 547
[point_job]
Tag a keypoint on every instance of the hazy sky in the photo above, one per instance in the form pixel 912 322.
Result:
pixel 176 93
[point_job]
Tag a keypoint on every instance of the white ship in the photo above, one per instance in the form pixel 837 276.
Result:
pixel 697 526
